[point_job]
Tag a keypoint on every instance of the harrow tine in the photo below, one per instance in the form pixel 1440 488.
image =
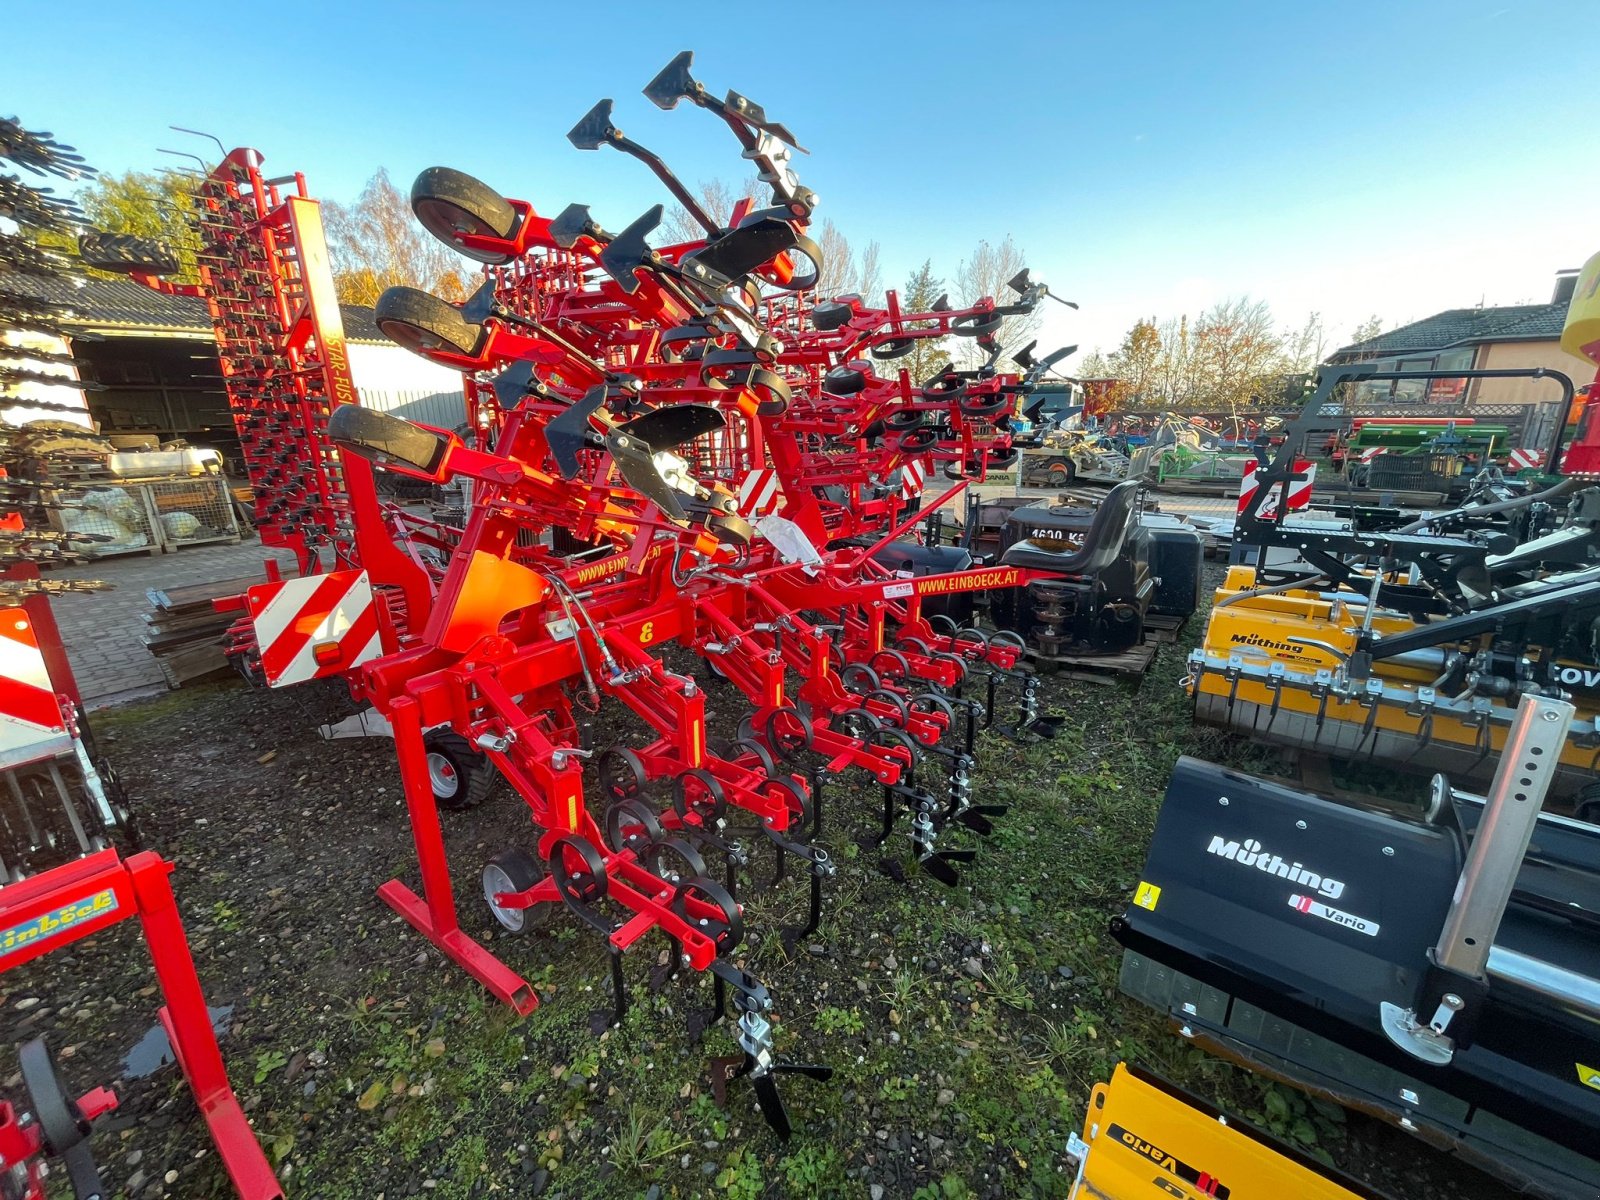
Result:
pixel 771 1105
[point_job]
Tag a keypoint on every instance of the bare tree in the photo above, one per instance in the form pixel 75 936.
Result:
pixel 1174 376
pixel 717 197
pixel 869 273
pixel 1305 347
pixel 1367 330
pixel 985 274
pixel 377 243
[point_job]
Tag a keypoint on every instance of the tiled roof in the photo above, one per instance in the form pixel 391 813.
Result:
pixel 122 304
pixel 1468 326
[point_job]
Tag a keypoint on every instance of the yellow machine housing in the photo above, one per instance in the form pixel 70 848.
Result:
pixel 1144 1139
pixel 1274 667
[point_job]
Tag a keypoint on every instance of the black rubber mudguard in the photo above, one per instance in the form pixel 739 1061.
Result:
pixel 1280 921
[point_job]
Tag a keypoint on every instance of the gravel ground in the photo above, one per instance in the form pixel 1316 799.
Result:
pixel 966 1025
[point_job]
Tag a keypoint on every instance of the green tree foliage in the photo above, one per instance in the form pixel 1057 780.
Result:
pixel 929 356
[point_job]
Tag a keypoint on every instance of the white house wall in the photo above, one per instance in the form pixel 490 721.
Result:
pixel 395 380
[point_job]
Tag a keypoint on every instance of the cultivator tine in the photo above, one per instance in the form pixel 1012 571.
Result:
pixel 568 431
pixel 673 83
pixel 626 253
pixel 595 128
pixel 480 305
pixel 573 222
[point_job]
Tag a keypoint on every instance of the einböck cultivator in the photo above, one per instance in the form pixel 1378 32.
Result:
pixel 678 450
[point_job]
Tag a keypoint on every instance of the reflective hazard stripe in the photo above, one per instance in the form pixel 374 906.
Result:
pixel 295 618
pixel 760 493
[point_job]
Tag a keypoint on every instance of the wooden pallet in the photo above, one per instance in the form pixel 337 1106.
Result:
pixel 1163 631
pixel 184 632
pixel 1100 668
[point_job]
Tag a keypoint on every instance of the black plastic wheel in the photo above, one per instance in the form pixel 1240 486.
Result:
pixel 971 644
pixel 978 407
pixel 460 775
pixel 676 860
pixel 933 704
pixel 724 926
pixel 698 796
pixel 788 732
pixel 514 870
pixel 860 679
pixel 890 664
pixel 855 723
pixel 425 324
pixel 892 700
pixel 904 420
pixel 917 441
pixel 449 202
pixel 976 324
pixel 915 645
pixel 621 774
pixel 60 1120
pixel 1003 460
pixel 844 381
pixel 793 797
pixel 631 825
pixel 891 348
pixel 831 315
pixel 578 869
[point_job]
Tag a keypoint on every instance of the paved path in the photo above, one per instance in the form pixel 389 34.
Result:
pixel 102 630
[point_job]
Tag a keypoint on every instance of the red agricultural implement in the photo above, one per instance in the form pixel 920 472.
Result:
pixel 681 455
pixel 55 909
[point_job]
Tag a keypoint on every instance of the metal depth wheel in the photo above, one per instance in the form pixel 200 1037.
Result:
pixel 449 202
pixel 630 825
pixel 855 723
pixel 676 860
pixel 804 263
pixel 860 679
pixel 794 797
pixel 890 664
pixel 976 324
pixel 514 870
pixel 459 774
pixel 698 798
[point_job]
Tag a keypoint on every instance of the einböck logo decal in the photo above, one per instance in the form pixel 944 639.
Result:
pixel 46 925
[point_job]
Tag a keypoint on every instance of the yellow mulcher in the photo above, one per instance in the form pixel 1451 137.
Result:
pixel 1412 644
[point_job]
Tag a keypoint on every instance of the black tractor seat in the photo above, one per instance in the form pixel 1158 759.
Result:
pixel 1102 541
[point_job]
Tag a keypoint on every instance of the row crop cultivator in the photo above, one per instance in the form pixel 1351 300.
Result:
pixel 678 450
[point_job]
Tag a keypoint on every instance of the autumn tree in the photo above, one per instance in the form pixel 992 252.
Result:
pixel 1137 360
pixel 985 273
pixel 1236 349
pixel 377 243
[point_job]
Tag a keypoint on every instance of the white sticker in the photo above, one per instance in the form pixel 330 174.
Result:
pixel 894 591
pixel 1316 908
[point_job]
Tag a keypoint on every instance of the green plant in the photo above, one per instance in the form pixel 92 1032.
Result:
pixel 807 1169
pixel 1005 982
pixel 641 1141
pixel 839 1020
pixel 1303 1122
pixel 742 1177
pixel 951 1187
pixel 267 1062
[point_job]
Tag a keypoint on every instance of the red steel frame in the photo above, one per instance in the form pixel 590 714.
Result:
pixel 77 899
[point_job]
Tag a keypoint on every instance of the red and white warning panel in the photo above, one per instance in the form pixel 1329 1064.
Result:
pixel 1525 460
pixel 760 493
pixel 314 627
pixel 1299 490
pixel 32 725
pixel 912 473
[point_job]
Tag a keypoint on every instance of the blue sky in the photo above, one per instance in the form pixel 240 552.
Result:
pixel 1149 158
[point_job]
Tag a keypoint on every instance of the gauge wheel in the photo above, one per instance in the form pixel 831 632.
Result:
pixel 699 794
pixel 60 1120
pixel 891 348
pixel 460 775
pixel 630 825
pixel 425 324
pixel 788 732
pixel 514 870
pixel 904 420
pixel 449 203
